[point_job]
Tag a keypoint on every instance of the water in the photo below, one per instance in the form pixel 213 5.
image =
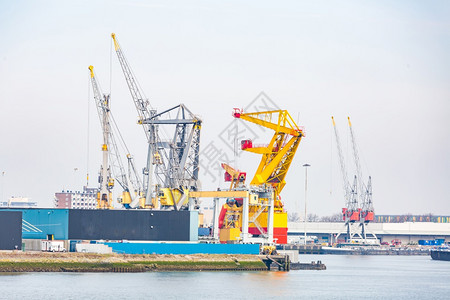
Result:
pixel 346 277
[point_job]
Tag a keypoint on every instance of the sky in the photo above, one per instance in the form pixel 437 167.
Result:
pixel 386 64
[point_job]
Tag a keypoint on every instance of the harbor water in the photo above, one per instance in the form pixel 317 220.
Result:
pixel 346 277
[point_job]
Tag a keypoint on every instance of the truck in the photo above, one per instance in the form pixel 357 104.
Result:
pixel 396 242
pixel 300 240
pixel 52 246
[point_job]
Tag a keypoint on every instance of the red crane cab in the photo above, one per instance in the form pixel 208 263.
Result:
pixel 245 144
pixel 355 215
pixel 344 213
pixel 352 215
pixel 242 176
pixel 228 177
pixel 369 216
pixel 237 112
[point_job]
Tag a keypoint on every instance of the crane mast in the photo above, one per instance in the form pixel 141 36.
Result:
pixel 104 196
pixel 351 211
pixel 144 113
pixel 128 181
pixel 365 194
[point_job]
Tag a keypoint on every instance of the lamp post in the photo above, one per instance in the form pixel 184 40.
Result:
pixel 74 178
pixel 306 190
pixel 3 185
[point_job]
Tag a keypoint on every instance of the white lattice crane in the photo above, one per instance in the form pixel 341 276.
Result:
pixel 365 191
pixel 112 168
pixel 145 112
pixel 174 161
pixel 351 210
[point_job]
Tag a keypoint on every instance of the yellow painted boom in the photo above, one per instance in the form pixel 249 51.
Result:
pixel 278 155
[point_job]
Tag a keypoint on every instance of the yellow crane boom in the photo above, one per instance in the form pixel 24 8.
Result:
pixel 279 153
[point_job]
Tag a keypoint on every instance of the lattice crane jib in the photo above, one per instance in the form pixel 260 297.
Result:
pixel 140 100
pixel 362 187
pixel 106 183
pixel 365 195
pixel 155 163
pixel 351 212
pixel 112 167
pixel 173 162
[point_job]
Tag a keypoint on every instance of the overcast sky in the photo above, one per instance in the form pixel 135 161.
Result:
pixel 386 64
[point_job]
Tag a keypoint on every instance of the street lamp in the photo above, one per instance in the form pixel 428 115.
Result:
pixel 3 185
pixel 74 178
pixel 306 189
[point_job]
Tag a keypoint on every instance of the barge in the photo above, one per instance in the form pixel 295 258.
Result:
pixel 440 254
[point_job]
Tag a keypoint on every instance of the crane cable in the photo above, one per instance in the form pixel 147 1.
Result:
pixel 110 67
pixel 331 163
pixel 88 125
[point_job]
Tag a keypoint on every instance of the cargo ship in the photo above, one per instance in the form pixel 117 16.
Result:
pixel 441 254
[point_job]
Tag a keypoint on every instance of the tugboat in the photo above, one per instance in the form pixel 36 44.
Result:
pixel 441 254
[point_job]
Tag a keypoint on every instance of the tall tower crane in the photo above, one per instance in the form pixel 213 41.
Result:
pixel 112 166
pixel 175 161
pixel 351 210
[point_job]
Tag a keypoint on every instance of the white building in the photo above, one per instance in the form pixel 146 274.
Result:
pixel 208 215
pixel 18 202
pixel 386 232
pixel 86 199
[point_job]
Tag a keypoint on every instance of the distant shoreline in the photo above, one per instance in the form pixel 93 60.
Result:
pixel 13 261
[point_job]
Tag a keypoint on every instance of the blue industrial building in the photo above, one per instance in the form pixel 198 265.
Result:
pixel 81 224
pixel 45 224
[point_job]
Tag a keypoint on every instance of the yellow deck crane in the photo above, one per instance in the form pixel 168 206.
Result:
pixel 276 159
pixel 112 166
pixel 230 221
pixel 278 154
pixel 261 217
